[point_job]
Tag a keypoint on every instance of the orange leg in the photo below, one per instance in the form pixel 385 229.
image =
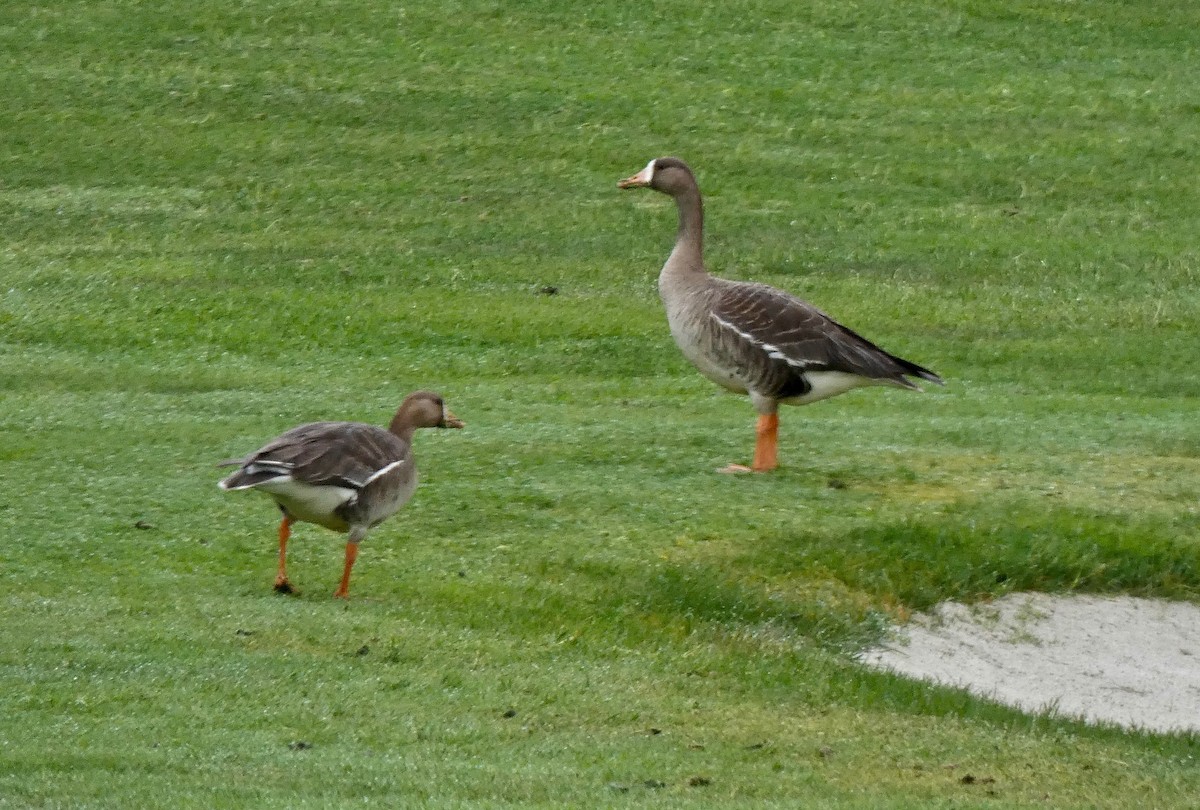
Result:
pixel 766 443
pixel 343 591
pixel 281 581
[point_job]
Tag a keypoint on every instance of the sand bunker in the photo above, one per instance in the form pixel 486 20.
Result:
pixel 1133 662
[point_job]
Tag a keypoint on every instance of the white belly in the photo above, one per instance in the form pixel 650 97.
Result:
pixel 826 384
pixel 309 503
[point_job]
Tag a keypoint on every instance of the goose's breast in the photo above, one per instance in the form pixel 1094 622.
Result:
pixel 383 497
pixel 712 353
pixel 718 367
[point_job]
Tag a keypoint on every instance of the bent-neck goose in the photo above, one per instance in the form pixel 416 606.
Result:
pixel 754 339
pixel 345 476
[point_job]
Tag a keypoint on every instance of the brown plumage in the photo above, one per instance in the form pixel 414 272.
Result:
pixel 345 476
pixel 752 338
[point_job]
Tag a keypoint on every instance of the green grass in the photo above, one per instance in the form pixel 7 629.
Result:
pixel 224 219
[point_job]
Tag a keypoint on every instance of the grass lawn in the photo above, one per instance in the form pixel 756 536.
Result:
pixel 222 219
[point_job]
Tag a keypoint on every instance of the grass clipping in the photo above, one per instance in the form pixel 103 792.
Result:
pixel 1120 660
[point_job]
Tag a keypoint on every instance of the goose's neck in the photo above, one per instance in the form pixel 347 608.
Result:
pixel 688 253
pixel 402 426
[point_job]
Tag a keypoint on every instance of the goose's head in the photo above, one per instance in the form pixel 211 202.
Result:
pixel 670 175
pixel 425 409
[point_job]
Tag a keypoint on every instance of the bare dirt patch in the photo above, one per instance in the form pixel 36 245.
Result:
pixel 1132 662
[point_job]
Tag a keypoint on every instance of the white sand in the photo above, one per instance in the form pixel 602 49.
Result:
pixel 1133 662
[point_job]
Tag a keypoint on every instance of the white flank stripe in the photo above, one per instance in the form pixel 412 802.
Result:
pixel 383 471
pixel 269 481
pixel 281 467
pixel 773 351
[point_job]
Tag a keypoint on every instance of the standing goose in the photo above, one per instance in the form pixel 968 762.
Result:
pixel 754 339
pixel 345 476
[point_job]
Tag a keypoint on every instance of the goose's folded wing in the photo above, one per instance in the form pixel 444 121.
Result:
pixel 342 454
pixel 792 333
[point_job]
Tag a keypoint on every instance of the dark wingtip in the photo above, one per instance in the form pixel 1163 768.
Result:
pixel 911 369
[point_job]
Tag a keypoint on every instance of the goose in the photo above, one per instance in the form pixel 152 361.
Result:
pixel 755 339
pixel 345 476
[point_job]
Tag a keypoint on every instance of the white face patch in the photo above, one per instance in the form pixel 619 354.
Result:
pixel 647 173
